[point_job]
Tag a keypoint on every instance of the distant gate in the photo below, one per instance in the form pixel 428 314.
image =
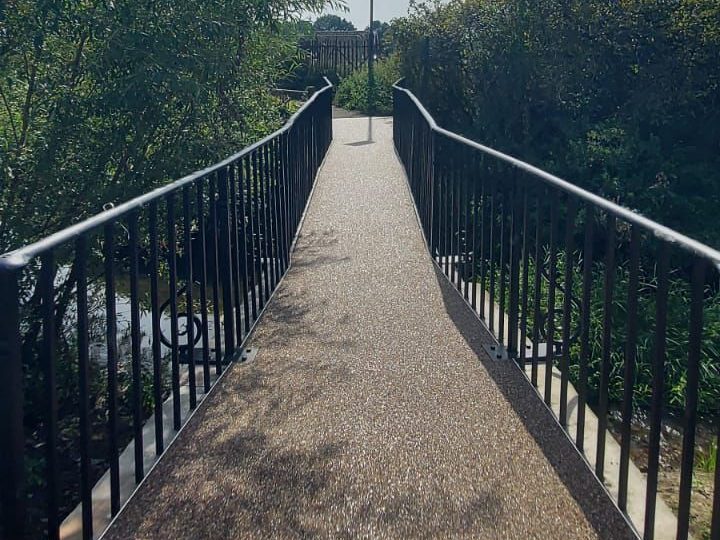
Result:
pixel 337 52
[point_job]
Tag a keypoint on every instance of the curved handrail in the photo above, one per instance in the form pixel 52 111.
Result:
pixel 660 231
pixel 14 260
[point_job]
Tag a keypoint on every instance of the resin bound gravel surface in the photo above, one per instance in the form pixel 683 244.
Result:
pixel 371 410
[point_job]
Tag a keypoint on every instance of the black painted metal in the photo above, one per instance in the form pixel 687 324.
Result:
pixel 47 283
pixel 584 358
pixel 516 212
pixel 602 408
pixel 220 242
pixel 658 389
pixel 154 270
pixel 174 339
pixel 83 345
pixel 567 309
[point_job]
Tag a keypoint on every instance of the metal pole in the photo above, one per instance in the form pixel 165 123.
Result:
pixel 371 59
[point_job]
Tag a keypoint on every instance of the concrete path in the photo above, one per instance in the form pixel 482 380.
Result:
pixel 371 410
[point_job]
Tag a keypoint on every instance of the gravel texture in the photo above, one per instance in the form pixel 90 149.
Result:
pixel 371 410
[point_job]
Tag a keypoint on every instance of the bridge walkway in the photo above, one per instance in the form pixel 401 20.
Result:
pixel 371 409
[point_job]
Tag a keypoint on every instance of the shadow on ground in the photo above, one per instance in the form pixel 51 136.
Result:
pixel 552 440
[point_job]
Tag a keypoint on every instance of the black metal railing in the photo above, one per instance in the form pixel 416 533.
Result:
pixel 88 349
pixel 585 296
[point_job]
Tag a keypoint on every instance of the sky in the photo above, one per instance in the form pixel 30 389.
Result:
pixel 385 10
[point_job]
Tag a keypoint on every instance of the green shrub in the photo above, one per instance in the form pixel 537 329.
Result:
pixel 572 87
pixel 353 92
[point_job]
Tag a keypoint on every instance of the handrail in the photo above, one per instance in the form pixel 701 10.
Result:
pixel 16 259
pixel 661 231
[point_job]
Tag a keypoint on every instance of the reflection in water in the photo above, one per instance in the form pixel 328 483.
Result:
pixel 98 319
pixel 123 311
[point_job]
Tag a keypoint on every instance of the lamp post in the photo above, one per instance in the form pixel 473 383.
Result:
pixel 371 59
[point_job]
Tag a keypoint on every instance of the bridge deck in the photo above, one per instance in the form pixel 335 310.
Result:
pixel 370 409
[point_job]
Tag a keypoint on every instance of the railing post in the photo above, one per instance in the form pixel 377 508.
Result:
pixel 12 439
pixel 515 248
pixel 432 218
pixel 226 279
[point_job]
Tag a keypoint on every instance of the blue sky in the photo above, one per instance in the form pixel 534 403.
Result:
pixel 384 11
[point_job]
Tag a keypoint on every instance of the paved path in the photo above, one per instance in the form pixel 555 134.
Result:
pixel 371 410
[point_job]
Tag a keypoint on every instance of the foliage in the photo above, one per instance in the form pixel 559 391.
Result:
pixel 619 97
pixel 676 340
pixel 707 458
pixel 333 23
pixel 352 93
pixel 100 101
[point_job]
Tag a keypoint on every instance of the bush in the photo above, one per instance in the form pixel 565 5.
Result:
pixel 619 97
pixel 352 93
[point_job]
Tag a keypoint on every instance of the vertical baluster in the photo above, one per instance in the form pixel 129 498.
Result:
pixel 515 253
pixel 267 228
pixel 475 189
pixel 155 316
pixel 190 312
pixel 691 396
pixel 491 252
pixel 484 232
pixel 174 339
pixel 449 211
pixel 552 282
pixel 202 259
pixel 525 277
pixel 658 389
pixel 214 235
pixel 440 182
pixel 236 253
pixel 292 176
pixel 467 202
pixel 629 375
pixel 83 343
pixel 136 352
pixel 12 438
pixel 567 307
pixel 47 288
pixel 427 185
pixel 258 242
pixel 284 177
pixel 504 249
pixel 449 214
pixel 291 188
pixel 457 218
pixel 585 326
pixel 280 162
pixel 537 314
pixel 272 183
pixel 254 288
pixel 226 274
pixel 435 199
pixel 606 346
pixel 243 246
pixel 112 368
pixel 447 180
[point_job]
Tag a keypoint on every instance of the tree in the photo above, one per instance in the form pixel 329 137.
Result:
pixel 333 23
pixel 100 101
pixel 620 97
